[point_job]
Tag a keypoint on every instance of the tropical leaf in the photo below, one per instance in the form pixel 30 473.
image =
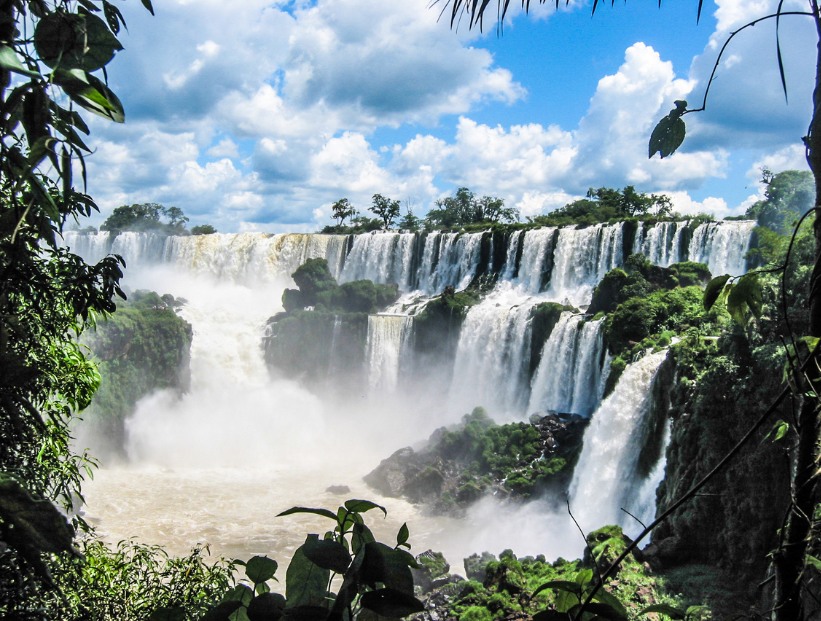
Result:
pixel 744 296
pixel 306 582
pixel 669 133
pixel 361 506
pixel 260 568
pixel 323 512
pixel 391 603
pixel 665 609
pixel 327 554
pixel 713 290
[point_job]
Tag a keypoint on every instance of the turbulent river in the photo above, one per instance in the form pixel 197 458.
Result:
pixel 216 465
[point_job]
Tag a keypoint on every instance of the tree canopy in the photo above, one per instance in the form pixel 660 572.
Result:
pixel 146 217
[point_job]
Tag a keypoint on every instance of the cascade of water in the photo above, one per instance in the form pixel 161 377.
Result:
pixel 453 260
pixel 241 257
pixel 606 471
pixel 537 258
pixel 582 257
pixel 387 338
pixel 511 269
pixel 133 247
pixel 382 258
pixel 492 355
pixel 661 243
pixel 569 376
pixel 722 246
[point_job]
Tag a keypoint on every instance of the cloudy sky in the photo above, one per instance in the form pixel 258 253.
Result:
pixel 258 115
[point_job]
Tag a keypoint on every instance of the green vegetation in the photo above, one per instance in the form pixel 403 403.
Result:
pixel 320 312
pixel 142 348
pixel 131 581
pixel 373 579
pixel 386 209
pixel 318 288
pixel 203 229
pixel 146 217
pixel 47 295
pixel 511 587
pixel 464 208
pixel 461 464
pixel 608 205
pixel 787 196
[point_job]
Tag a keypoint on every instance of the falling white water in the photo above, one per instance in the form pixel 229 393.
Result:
pixel 382 258
pixel 492 355
pixel 660 243
pixel 537 250
pixel 581 259
pixel 388 336
pixel 605 474
pixel 722 246
pixel 449 259
pixel 569 376
pixel 216 464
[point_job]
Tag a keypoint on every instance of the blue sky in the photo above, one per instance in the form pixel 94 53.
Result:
pixel 258 115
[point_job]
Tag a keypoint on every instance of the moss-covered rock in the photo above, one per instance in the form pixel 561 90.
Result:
pixel 461 464
pixel 143 347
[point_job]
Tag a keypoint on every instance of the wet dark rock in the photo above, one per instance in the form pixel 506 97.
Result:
pixel 459 465
pixel 338 489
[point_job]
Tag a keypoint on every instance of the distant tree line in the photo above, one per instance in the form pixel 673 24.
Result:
pixel 152 217
pixel 464 208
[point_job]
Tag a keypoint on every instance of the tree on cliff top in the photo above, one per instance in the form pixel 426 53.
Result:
pixel 790 559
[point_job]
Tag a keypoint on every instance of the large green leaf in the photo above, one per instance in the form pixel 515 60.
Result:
pixel 327 554
pixel 89 92
pixel 306 583
pixel 9 60
pixel 745 295
pixel 38 525
pixel 713 290
pixel 669 133
pixel 618 611
pixel 384 565
pixel 391 603
pixel 72 41
pixel 361 506
pixel 322 512
pixel 260 568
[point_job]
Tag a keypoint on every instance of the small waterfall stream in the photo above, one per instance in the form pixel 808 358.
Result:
pixel 606 471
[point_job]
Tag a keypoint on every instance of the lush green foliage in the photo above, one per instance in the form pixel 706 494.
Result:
pixel 464 208
pixel 47 294
pixel 386 209
pixel 318 288
pixel 607 205
pixel 787 196
pixel 511 587
pixel 203 229
pixel 375 578
pixel 146 217
pixel 143 347
pixel 131 581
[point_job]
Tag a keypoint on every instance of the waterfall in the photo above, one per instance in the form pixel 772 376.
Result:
pixel 569 376
pixel 388 336
pixel 581 259
pixel 239 257
pixel 382 258
pixel 492 356
pixel 605 474
pixel 537 258
pixel 722 246
pixel 449 259
pixel 661 243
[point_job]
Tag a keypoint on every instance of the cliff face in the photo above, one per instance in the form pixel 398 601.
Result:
pixel 143 347
pixel 716 393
